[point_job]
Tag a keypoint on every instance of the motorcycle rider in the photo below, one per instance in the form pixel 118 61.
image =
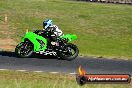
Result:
pixel 48 26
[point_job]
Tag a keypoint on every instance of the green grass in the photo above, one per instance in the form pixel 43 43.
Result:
pixel 13 79
pixel 102 29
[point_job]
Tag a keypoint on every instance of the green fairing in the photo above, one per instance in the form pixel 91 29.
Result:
pixel 32 37
pixel 70 37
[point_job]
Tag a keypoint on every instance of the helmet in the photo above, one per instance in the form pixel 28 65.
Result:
pixel 47 23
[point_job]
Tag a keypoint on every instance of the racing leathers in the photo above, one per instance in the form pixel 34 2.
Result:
pixel 56 33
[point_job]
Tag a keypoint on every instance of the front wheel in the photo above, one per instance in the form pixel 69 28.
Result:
pixel 24 49
pixel 71 52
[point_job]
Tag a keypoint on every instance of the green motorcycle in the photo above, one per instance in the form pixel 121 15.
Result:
pixel 40 42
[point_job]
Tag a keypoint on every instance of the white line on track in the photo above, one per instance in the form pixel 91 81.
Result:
pixel 38 71
pixel 53 72
pixel 3 69
pixel 21 70
pixel 73 73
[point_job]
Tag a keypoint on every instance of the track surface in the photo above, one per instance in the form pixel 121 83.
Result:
pixel 8 60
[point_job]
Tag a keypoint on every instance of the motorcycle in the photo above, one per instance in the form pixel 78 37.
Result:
pixel 40 42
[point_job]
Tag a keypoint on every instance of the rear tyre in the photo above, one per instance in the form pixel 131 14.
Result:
pixel 24 49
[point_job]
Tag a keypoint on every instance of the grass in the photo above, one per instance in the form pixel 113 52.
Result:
pixel 13 79
pixel 102 29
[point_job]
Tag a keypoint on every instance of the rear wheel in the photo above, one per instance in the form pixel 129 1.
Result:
pixel 24 49
pixel 71 52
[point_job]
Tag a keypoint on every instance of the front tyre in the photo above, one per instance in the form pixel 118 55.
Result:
pixel 24 49
pixel 70 53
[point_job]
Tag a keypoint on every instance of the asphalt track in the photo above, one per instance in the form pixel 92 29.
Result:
pixel 8 60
